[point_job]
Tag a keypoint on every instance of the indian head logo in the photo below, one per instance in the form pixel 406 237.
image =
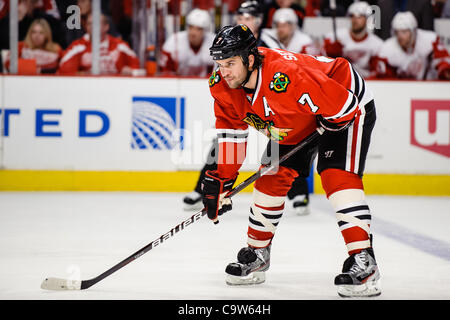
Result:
pixel 266 127
pixel 279 82
pixel 430 125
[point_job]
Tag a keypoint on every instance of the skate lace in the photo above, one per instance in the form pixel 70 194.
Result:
pixel 360 265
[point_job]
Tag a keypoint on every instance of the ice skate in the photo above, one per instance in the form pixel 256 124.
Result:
pixel 300 205
pixel 192 201
pixel 250 268
pixel 360 276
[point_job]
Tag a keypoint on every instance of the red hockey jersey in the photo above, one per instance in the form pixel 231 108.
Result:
pixel 292 89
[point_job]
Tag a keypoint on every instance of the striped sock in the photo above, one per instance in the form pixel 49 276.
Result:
pixel 354 218
pixel 265 214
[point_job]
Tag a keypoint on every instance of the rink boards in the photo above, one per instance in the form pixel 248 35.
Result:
pixel 153 134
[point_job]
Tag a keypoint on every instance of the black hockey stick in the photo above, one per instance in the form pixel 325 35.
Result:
pixel 69 284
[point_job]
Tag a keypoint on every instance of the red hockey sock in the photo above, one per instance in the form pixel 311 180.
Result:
pixel 346 194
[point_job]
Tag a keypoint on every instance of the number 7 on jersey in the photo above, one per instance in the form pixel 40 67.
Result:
pixel 305 98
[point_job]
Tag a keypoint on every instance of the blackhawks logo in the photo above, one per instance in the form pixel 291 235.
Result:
pixel 266 127
pixel 215 78
pixel 279 83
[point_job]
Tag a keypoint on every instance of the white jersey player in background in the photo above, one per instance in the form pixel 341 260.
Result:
pixel 412 52
pixel 357 44
pixel 186 53
pixel 285 34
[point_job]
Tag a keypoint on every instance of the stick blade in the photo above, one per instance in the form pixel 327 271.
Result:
pixel 60 284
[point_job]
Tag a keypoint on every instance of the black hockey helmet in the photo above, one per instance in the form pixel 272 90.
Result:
pixel 250 7
pixel 233 41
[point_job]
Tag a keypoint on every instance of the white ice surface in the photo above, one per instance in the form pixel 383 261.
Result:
pixel 79 235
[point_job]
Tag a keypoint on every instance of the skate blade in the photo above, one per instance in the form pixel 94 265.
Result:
pixel 251 279
pixel 368 289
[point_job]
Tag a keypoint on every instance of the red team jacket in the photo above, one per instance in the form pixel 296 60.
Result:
pixel 292 89
pixel 114 55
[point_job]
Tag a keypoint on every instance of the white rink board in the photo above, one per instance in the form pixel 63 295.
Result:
pixel 57 105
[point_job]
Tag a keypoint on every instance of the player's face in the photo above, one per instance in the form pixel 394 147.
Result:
pixel 233 71
pixel 250 21
pixel 195 36
pixel 285 30
pixel 358 23
pixel 38 36
pixel 404 38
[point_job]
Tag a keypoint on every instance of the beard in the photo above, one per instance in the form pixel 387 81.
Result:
pixel 234 83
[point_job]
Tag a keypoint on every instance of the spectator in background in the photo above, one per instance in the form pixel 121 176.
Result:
pixel 250 14
pixel 39 46
pixel 116 57
pixel 85 7
pixel 357 45
pixel 421 9
pixel 186 53
pixel 285 34
pixel 412 52
pixel 269 11
pixel 28 11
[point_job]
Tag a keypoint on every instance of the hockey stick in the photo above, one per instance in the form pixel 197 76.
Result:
pixel 70 284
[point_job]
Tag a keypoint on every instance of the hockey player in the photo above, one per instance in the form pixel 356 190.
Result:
pixel 285 33
pixel 412 53
pixel 357 45
pixel 286 96
pixel 250 14
pixel 185 53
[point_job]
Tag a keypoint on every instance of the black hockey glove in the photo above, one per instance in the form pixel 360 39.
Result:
pixel 333 126
pixel 214 190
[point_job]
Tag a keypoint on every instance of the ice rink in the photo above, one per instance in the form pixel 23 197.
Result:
pixel 81 234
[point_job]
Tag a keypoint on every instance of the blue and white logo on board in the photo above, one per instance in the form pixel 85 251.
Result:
pixel 154 123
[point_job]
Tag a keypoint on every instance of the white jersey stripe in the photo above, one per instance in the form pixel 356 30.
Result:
pixel 359 138
pixel 74 51
pixel 233 140
pixel 349 148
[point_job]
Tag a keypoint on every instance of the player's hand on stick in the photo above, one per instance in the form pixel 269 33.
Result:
pixel 214 190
